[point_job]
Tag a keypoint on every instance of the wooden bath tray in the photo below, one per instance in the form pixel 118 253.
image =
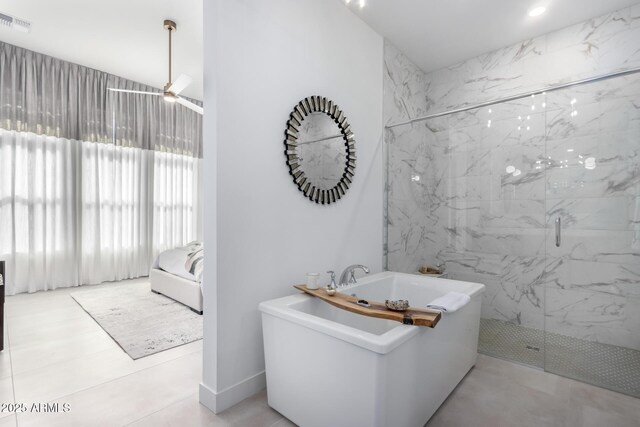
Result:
pixel 412 316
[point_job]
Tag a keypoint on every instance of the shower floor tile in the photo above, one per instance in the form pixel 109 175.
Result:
pixel 612 367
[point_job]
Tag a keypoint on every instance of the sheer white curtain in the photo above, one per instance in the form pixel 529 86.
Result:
pixel 93 183
pixel 75 212
pixel 177 208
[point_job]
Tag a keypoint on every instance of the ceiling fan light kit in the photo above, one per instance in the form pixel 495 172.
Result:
pixel 171 90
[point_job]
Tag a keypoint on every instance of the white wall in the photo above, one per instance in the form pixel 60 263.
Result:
pixel 261 58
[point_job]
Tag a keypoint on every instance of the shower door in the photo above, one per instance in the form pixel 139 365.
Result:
pixel 539 199
pixel 592 275
pixel 467 191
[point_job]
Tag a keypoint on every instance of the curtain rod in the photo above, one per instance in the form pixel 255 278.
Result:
pixel 519 96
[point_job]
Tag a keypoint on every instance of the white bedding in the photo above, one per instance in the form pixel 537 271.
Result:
pixel 174 261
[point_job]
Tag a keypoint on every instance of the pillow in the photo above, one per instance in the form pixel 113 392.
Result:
pixel 173 261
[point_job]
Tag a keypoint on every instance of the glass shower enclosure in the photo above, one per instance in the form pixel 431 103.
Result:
pixel 539 199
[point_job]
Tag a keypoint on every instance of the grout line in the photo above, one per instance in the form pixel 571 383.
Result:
pixel 70 358
pixel 154 412
pixel 160 410
pixel 116 379
pixel 132 373
pixel 122 376
pixel 276 422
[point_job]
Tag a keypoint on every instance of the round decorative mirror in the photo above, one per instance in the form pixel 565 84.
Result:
pixel 320 150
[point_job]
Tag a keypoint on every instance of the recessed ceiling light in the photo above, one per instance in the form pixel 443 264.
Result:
pixel 361 3
pixel 537 11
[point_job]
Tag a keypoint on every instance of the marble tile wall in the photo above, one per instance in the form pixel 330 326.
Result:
pixel 404 86
pixel 598 46
pixel 480 190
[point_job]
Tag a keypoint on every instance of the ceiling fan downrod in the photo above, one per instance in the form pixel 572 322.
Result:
pixel 171 27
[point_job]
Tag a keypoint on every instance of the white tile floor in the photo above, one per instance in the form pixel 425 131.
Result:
pixel 54 352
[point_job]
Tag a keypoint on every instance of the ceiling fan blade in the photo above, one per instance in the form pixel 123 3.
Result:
pixel 134 91
pixel 180 84
pixel 198 109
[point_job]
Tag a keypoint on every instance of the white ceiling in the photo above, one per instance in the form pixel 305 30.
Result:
pixel 126 37
pixel 122 37
pixel 438 33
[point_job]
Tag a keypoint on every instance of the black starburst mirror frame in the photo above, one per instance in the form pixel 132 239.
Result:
pixel 306 107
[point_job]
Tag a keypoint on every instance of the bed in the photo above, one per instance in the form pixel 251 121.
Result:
pixel 177 274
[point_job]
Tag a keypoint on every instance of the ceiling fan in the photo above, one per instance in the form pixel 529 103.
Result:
pixel 171 90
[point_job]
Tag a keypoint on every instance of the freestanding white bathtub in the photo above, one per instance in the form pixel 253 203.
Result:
pixel 329 367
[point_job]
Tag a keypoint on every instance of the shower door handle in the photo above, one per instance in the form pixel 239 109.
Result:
pixel 558 232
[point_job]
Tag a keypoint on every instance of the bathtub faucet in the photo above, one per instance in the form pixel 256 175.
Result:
pixel 348 275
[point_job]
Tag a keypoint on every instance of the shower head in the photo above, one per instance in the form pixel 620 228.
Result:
pixel 15 23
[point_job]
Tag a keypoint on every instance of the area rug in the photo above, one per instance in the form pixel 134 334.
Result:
pixel 140 321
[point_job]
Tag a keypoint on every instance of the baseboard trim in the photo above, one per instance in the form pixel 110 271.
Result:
pixel 231 396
